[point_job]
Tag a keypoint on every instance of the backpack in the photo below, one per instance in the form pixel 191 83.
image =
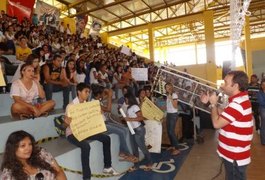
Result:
pixel 60 125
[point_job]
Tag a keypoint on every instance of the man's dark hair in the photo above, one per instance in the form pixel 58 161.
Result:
pixel 131 100
pixel 56 56
pixel 96 90
pixel 240 78
pixel 81 86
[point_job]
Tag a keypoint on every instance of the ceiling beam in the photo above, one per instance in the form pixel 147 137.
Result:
pixel 64 2
pixel 76 3
pixel 148 11
pixel 99 8
pixel 162 23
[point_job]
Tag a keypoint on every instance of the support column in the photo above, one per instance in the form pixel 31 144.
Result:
pixel 248 50
pixel 151 42
pixel 104 37
pixel 211 74
pixel 3 5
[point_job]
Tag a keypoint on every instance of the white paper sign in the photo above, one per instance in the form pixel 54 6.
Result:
pixel 126 50
pixel 140 74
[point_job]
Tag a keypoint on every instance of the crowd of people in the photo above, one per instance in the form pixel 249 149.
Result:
pixel 62 60
pixel 50 60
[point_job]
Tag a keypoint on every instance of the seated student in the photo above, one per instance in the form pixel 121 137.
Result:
pixel 105 96
pixel 80 71
pixel 141 96
pixel 70 75
pixel 135 117
pixel 22 160
pixel 94 75
pixel 25 91
pixel 104 76
pixel 23 51
pixel 34 60
pixel 117 83
pixel 83 92
pixel 55 80
pixel 121 100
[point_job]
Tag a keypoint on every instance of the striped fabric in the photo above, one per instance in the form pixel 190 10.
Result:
pixel 235 138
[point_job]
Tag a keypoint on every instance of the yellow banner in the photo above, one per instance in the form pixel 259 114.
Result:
pixel 150 111
pixel 2 81
pixel 87 119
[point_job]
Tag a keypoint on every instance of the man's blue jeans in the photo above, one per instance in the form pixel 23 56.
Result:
pixel 85 151
pixel 139 141
pixel 123 134
pixel 50 88
pixel 171 125
pixel 233 171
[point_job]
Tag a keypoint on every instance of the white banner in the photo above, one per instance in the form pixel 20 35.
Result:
pixel 140 74
pixel 189 88
pixel 47 14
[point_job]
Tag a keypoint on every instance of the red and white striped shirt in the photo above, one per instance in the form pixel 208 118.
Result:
pixel 235 138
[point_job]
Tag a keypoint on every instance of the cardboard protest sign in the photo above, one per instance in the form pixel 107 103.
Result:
pixel 87 119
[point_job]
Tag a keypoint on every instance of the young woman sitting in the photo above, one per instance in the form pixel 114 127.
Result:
pixel 26 91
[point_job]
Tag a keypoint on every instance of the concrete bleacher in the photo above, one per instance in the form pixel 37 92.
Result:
pixel 67 155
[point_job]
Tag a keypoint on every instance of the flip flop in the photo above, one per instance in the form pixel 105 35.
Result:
pixel 132 159
pixel 175 152
pixel 132 169
pixel 147 168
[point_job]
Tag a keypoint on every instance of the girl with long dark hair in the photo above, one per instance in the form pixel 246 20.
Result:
pixel 135 117
pixel 24 160
pixel 172 117
pixel 70 74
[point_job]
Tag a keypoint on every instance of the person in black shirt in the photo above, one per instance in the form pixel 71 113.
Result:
pixel 55 80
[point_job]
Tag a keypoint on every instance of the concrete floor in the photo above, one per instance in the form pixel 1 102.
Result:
pixel 203 162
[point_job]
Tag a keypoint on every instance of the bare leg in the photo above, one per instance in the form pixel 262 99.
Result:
pixel 47 106
pixel 17 109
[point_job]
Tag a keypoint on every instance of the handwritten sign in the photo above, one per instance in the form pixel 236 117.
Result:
pixel 140 74
pixel 87 119
pixel 151 111
pixel 2 81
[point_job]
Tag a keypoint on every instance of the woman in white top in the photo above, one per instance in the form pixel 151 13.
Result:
pixel 135 117
pixel 94 76
pixel 80 71
pixel 172 117
pixel 25 91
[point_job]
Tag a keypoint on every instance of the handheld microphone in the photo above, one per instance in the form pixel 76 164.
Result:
pixel 39 176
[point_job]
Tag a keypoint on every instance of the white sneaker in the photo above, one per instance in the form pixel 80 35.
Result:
pixel 110 171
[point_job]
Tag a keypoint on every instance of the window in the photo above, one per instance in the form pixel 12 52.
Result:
pixel 181 56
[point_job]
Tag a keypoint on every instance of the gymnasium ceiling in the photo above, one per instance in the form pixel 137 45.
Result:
pixel 127 20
